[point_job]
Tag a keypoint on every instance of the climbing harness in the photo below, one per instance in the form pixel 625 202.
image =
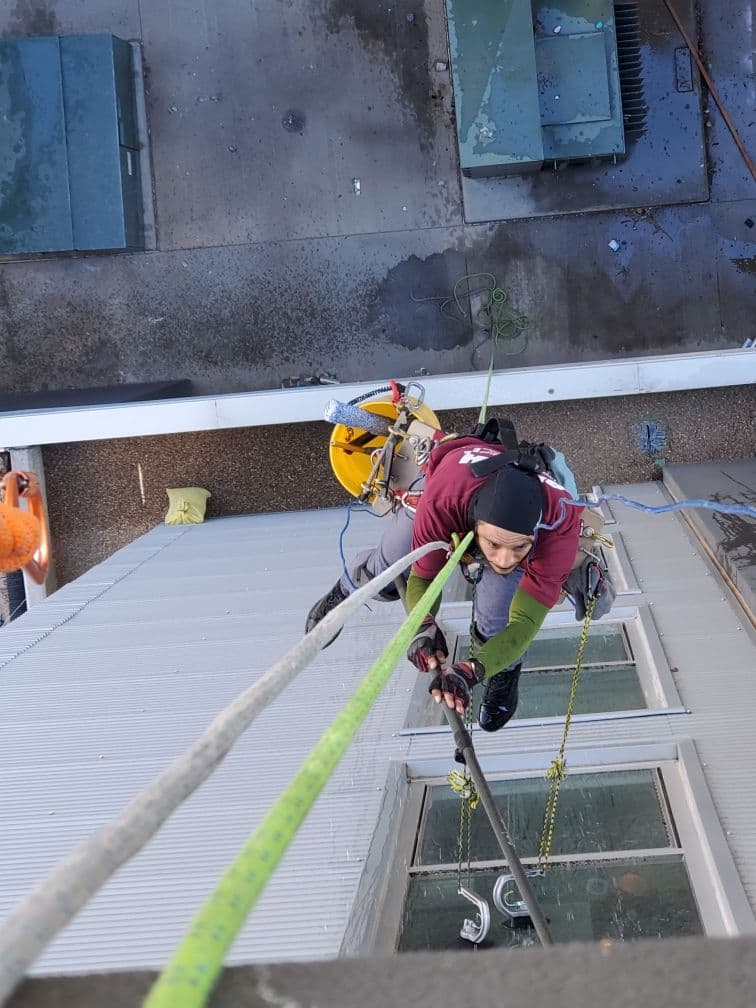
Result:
pixel 24 536
pixel 472 566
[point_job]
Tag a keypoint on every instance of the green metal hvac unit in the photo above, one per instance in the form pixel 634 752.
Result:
pixel 534 83
pixel 69 149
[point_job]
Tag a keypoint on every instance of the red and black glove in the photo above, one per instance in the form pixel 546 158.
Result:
pixel 455 685
pixel 428 649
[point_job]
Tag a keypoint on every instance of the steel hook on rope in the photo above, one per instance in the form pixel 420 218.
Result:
pixel 507 900
pixel 475 931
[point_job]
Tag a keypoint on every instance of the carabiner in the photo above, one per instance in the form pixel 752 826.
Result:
pixel 475 931
pixel 419 399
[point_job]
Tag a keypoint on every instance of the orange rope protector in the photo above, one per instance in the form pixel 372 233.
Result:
pixel 24 537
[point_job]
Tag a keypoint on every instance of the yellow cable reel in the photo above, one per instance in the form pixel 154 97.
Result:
pixel 352 450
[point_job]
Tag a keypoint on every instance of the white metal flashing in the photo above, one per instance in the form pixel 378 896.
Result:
pixel 588 380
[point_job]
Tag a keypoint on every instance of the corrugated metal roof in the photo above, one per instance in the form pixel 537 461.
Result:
pixel 119 672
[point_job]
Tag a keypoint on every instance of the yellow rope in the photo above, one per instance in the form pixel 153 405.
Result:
pixel 460 781
pixel 557 772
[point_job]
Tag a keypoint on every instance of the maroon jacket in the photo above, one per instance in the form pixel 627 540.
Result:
pixel 444 506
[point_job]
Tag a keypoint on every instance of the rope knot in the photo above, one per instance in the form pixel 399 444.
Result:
pixel 557 772
pixel 464 787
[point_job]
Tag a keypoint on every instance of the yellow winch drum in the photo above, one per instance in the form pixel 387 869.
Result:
pixel 351 449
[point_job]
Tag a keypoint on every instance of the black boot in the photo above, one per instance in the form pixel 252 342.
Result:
pixel 499 700
pixel 322 607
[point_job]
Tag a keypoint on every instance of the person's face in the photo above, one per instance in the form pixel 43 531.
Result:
pixel 502 549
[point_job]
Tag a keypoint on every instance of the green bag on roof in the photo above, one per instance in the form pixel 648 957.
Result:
pixel 186 505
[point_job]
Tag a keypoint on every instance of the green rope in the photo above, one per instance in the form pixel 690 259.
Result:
pixel 495 317
pixel 501 323
pixel 187 980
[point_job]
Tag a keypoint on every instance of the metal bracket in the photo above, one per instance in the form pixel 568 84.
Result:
pixel 475 931
pixel 508 901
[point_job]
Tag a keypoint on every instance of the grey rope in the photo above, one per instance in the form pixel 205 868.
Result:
pixel 53 903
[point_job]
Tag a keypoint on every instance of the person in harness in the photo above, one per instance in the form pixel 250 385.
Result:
pixel 526 545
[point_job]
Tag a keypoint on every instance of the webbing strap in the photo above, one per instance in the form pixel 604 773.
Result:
pixel 189 977
pixel 486 466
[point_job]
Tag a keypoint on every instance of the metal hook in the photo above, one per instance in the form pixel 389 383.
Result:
pixel 506 901
pixel 475 931
pixel 419 398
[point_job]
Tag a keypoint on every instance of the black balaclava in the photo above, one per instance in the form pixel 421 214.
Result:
pixel 510 499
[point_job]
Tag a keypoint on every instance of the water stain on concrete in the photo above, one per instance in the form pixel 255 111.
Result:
pixel 399 32
pixel 413 305
pixel 32 17
pixel 592 308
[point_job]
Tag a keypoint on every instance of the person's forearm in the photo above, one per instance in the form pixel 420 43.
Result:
pixel 415 590
pixel 526 618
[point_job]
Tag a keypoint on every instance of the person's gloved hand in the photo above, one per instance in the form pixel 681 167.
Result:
pixel 428 649
pixel 455 685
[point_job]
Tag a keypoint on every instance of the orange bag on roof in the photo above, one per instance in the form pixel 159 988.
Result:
pixel 20 536
pixel 24 541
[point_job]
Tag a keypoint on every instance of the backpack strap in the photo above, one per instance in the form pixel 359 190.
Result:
pixel 495 431
pixel 533 458
pixel 492 464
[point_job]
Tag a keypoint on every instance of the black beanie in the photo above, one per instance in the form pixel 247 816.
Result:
pixel 511 499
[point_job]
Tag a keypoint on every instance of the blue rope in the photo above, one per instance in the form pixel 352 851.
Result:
pixel 351 506
pixel 708 505
pixel 737 509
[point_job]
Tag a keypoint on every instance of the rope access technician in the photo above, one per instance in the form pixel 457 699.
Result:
pixel 526 545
